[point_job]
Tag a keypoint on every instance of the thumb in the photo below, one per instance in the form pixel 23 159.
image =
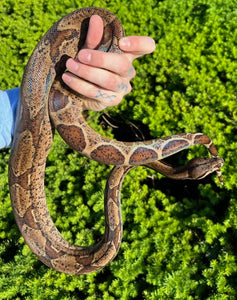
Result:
pixel 95 32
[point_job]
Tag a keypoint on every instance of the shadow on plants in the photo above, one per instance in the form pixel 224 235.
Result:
pixel 129 131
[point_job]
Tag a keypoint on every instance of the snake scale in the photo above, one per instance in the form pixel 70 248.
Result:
pixel 46 104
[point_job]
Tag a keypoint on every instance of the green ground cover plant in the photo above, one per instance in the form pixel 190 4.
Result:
pixel 180 238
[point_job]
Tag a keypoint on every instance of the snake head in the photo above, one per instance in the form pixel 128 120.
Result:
pixel 199 168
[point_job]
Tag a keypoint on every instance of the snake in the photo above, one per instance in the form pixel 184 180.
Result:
pixel 46 105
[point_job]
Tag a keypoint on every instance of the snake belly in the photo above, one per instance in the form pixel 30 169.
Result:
pixel 44 104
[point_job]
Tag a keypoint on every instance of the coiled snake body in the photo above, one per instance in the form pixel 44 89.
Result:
pixel 45 104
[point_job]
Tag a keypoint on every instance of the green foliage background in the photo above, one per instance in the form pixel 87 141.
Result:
pixel 179 237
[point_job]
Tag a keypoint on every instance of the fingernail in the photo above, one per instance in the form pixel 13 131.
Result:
pixel 124 42
pixel 84 56
pixel 72 65
pixel 66 78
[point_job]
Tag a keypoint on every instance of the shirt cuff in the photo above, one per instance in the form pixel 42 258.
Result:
pixel 8 100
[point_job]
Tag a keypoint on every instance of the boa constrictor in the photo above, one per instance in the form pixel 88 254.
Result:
pixel 46 104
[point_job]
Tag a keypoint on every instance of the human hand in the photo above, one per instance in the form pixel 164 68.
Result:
pixel 104 77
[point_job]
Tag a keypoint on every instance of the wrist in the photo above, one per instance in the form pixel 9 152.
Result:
pixel 9 101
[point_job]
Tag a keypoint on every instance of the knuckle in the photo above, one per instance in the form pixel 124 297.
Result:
pixel 129 88
pixel 133 72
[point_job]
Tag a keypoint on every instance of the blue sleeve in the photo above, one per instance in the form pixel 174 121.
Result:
pixel 8 100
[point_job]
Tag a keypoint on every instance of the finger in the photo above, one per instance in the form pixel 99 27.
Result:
pixel 113 62
pixel 95 32
pixel 100 77
pixel 136 46
pixel 89 90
